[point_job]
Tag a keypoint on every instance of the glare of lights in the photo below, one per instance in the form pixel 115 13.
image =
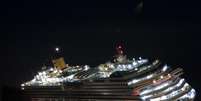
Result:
pixel 169 75
pixel 44 73
pixel 43 79
pixel 134 81
pixel 55 71
pixel 154 81
pixel 145 97
pixel 112 66
pixel 40 73
pixel 155 88
pixel 149 76
pixel 134 63
pixel 156 99
pixel 141 61
pixel 165 68
pixel 180 82
pixel 129 83
pixel 129 66
pixel 51 69
pixel 22 85
pixel 173 87
pixel 183 89
pixel 33 80
pixel 106 68
pixel 190 95
pixel 155 62
pixel 140 79
pixel 172 94
pixel 57 49
pixel 37 77
pixel 86 67
pixel 164 97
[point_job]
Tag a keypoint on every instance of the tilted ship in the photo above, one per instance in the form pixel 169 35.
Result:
pixel 121 79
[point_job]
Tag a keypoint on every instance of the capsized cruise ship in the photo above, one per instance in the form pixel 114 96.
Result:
pixel 121 79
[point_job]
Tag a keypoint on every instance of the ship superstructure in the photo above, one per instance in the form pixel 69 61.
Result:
pixel 120 79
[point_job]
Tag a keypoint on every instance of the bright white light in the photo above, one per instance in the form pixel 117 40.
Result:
pixel 134 63
pixel 149 76
pixel 134 81
pixel 142 61
pixel 155 88
pixel 124 67
pixel 145 97
pixel 129 66
pixel 180 82
pixel 51 69
pixel 86 67
pixel 154 81
pixel 106 68
pixel 156 99
pixel 112 66
pixel 33 80
pixel 165 68
pixel 169 75
pixel 173 87
pixel 55 71
pixel 57 49
pixel 40 73
pixel 190 95
pixel 22 85
pixel 44 73
pixel 172 94
pixel 140 79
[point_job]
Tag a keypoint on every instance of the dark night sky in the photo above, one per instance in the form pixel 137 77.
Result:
pixel 88 30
